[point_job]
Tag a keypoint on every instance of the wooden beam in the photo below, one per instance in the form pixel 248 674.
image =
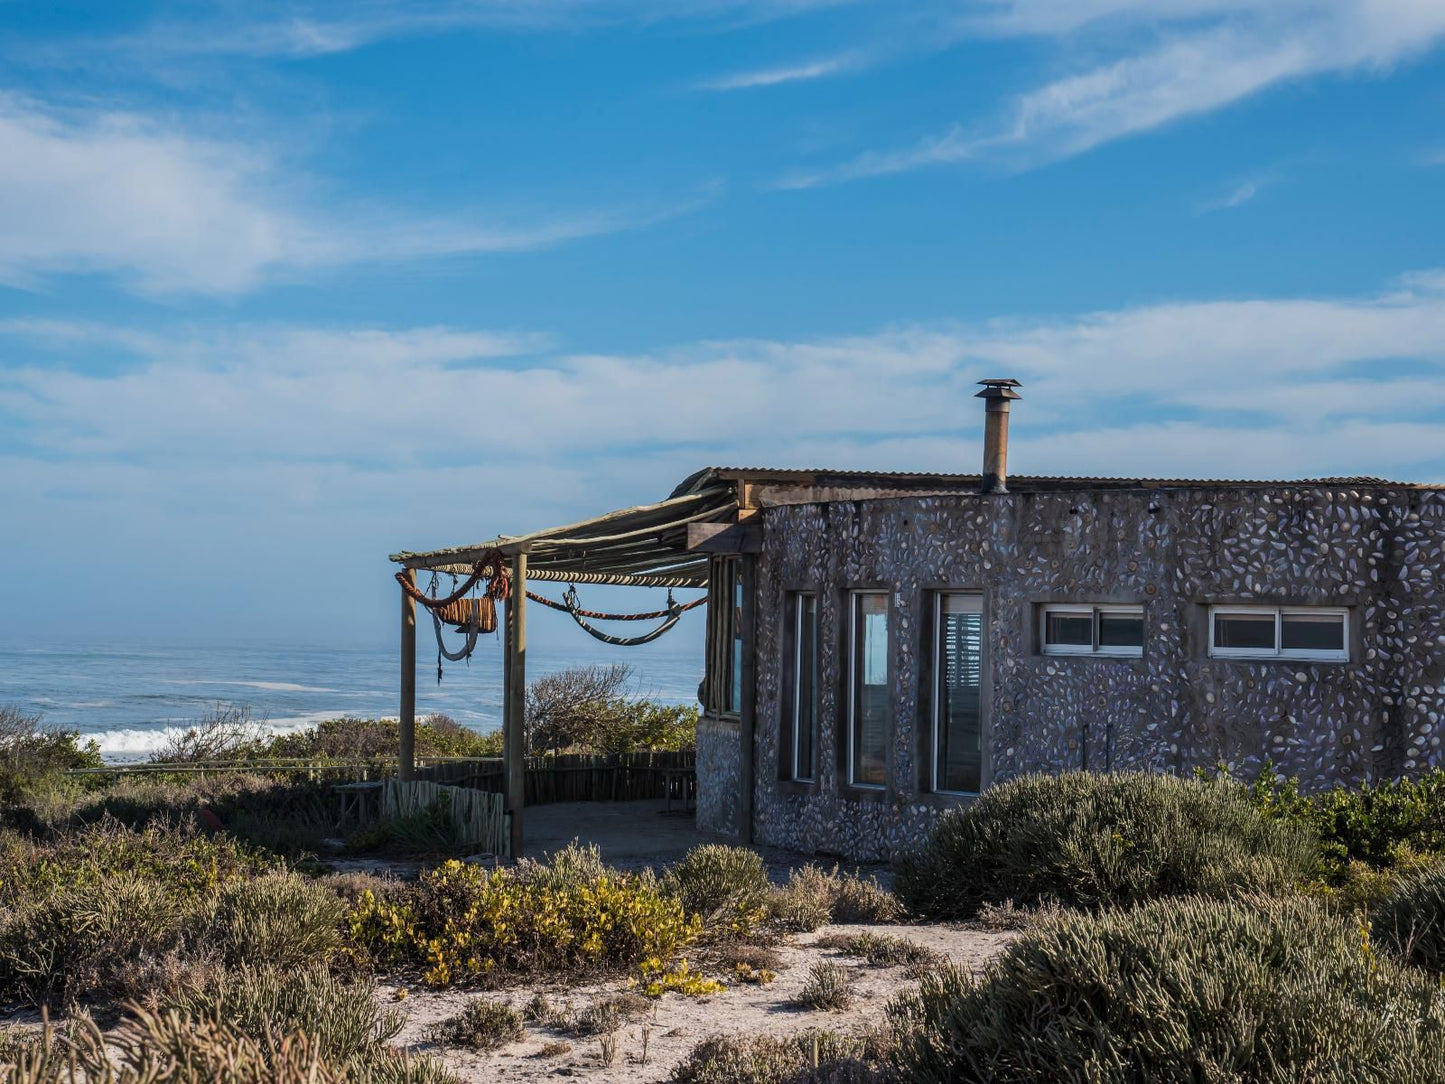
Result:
pixel 514 722
pixel 725 537
pixel 406 725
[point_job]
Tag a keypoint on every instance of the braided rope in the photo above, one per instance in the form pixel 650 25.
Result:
pixel 499 583
pixel 596 616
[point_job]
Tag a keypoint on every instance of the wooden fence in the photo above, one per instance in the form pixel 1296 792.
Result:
pixel 570 777
pixel 480 821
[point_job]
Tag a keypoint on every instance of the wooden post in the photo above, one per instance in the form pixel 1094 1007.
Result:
pixel 747 722
pixel 406 753
pixel 515 702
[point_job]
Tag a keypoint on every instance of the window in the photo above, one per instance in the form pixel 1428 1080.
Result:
pixel 802 689
pixel 1279 632
pixel 723 685
pixel 1092 630
pixel 868 690
pixel 958 679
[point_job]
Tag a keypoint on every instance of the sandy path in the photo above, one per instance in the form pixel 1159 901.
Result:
pixel 679 1023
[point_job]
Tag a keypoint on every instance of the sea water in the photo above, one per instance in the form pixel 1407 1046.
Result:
pixel 129 697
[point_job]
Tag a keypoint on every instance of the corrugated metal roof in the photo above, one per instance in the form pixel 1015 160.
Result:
pixel 824 477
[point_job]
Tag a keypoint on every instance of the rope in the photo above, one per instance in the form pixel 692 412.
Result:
pixel 499 583
pixel 630 641
pixel 673 613
pixel 454 656
pixel 653 616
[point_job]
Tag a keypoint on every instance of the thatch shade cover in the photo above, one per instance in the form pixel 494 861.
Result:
pixel 640 547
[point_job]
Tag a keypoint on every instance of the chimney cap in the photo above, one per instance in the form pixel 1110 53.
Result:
pixel 999 389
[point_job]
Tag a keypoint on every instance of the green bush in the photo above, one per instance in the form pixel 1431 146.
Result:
pixel 1258 990
pixel 342 1018
pixel 1089 840
pixel 280 918
pixel 462 923
pixel 590 709
pixel 351 739
pixel 829 988
pixel 812 898
pixel 154 1047
pixel 726 886
pixel 1379 825
pixel 1411 919
pixel 481 1025
pixel 85 939
pixel 33 756
pixel 824 1057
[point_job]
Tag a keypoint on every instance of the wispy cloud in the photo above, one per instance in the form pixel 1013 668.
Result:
pixel 1199 56
pixel 298 29
pixel 1238 194
pixel 807 71
pixel 167 211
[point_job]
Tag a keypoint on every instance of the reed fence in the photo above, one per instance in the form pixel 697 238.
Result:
pixel 571 777
pixel 480 821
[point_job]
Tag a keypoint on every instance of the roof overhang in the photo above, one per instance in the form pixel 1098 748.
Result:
pixel 647 546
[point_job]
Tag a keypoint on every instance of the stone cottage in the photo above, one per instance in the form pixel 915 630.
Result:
pixel 883 646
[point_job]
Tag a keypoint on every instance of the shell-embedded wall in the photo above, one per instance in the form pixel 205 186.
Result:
pixel 719 775
pixel 1377 550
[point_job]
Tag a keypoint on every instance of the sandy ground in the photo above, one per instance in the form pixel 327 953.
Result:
pixel 679 1023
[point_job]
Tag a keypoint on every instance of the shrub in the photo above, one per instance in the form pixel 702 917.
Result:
pixel 227 733
pixel 481 1025
pixel 1088 840
pixel 464 924
pixel 431 830
pixel 280 918
pixel 864 900
pixel 1411 919
pixel 589 708
pixel 342 1018
pixel 151 1047
pixel 33 755
pixel 81 940
pixel 1192 989
pixel 610 1013
pixel 726 886
pixel 173 854
pixel 812 1055
pixel 812 898
pixel 350 739
pixel 1380 825
pixel 883 951
pixel 829 987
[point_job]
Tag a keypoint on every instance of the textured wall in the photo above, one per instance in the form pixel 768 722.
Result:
pixel 719 774
pixel 1377 550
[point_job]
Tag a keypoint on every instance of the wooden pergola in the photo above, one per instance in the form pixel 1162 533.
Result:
pixel 656 545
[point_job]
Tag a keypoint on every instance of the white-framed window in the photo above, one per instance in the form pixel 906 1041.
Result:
pixel 1069 629
pixel 803 689
pixel 957 688
pixel 869 690
pixel 1311 633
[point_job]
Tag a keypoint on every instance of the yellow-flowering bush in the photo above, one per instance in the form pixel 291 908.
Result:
pixel 465 924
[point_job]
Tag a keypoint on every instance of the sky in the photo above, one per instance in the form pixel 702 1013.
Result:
pixel 286 287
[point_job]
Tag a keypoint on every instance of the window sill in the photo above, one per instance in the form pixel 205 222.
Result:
pixel 1333 660
pixel 861 792
pixel 806 787
pixel 1109 656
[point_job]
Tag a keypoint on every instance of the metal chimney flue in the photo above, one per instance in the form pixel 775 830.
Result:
pixel 996 396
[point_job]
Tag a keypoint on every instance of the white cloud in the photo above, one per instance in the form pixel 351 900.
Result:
pixel 794 73
pixel 168 211
pixel 291 29
pixel 1237 194
pixel 1197 56
pixel 239 455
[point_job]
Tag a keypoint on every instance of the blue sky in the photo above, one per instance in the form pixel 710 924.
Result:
pixel 285 287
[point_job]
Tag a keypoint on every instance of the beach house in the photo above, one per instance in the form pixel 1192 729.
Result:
pixel 882 646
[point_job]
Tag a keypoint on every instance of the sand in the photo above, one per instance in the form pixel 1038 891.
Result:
pixel 679 1023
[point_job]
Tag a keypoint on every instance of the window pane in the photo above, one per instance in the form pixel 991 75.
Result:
pixel 1069 630
pixel 870 688
pixel 1118 629
pixel 1244 631
pixel 735 692
pixel 960 674
pixel 805 708
pixel 1313 632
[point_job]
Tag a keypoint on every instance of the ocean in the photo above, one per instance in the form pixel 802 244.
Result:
pixel 128 698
